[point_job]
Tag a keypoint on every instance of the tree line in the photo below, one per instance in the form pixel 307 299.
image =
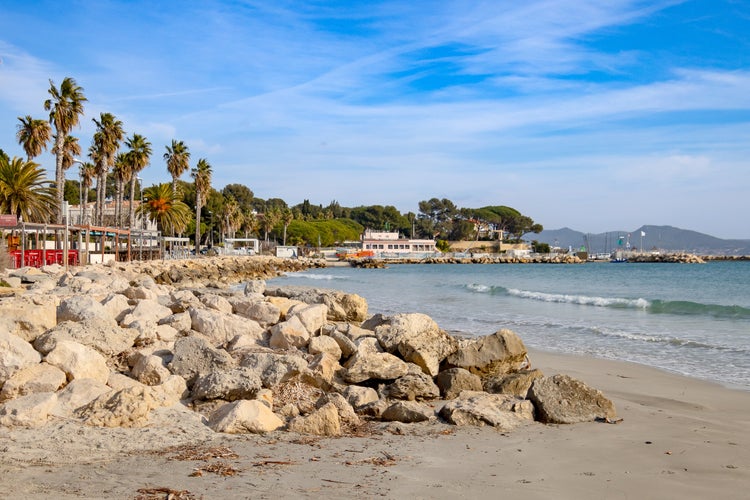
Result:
pixel 109 176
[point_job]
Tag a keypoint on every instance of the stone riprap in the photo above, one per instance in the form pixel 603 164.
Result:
pixel 108 345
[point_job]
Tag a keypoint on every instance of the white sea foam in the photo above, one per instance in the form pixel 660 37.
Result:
pixel 581 299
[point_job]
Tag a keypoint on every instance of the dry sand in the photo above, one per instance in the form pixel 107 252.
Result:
pixel 679 438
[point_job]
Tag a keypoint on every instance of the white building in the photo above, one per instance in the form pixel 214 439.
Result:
pixel 392 242
pixel 77 216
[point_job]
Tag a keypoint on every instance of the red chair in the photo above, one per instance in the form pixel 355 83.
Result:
pixel 33 258
pixel 49 257
pixel 72 257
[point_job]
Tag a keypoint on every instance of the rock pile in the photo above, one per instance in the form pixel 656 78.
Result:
pixel 107 346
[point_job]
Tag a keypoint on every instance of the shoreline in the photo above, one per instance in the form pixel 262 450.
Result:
pixel 678 438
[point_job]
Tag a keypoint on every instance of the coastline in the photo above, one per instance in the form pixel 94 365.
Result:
pixel 679 437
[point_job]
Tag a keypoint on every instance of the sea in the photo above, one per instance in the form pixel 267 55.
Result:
pixel 690 319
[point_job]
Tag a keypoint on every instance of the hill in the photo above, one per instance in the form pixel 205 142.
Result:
pixel 664 238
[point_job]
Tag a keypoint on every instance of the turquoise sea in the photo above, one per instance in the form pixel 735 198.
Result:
pixel 691 319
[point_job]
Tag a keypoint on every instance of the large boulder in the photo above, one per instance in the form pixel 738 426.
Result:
pixel 243 417
pixel 229 385
pixel 564 400
pixel 479 408
pixel 216 302
pixel 150 370
pixel 496 354
pixel 341 306
pixel 116 306
pixel 221 327
pixel 33 379
pixel 27 317
pixel 453 381
pixel 289 334
pixel 418 339
pixel 358 396
pixel 516 384
pixel 324 371
pixel 326 344
pixel 379 366
pixel 78 361
pixel 413 387
pixel 79 308
pixel 347 347
pixel 146 311
pixel 264 312
pixel 195 356
pixel 28 411
pixel 126 408
pixel 274 368
pixel 15 354
pixel 407 412
pixel 102 334
pixel 78 393
pixel 324 421
pixel 313 317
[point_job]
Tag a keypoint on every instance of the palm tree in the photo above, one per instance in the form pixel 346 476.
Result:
pixel 139 154
pixel 271 217
pixel 231 216
pixel 122 172
pixel 88 172
pixel 287 216
pixel 202 177
pixel 178 161
pixel 24 191
pixel 33 135
pixel 107 139
pixel 163 207
pixel 65 107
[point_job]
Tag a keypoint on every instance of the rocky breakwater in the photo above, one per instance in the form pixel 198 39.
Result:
pixel 670 258
pixel 109 347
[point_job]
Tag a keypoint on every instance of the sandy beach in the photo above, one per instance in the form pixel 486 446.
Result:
pixel 678 438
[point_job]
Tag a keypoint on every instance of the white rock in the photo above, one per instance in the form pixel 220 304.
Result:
pixel 79 361
pixel 15 354
pixel 288 334
pixel 28 411
pixel 33 379
pixel 244 417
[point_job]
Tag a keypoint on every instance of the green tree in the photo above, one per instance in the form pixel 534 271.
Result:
pixel 24 191
pixel 103 151
pixel 65 107
pixel 33 135
pixel 178 161
pixel 437 216
pixel 201 175
pixel 138 157
pixel 241 193
pixel 163 207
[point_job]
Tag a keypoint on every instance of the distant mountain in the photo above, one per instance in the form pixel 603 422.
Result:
pixel 666 238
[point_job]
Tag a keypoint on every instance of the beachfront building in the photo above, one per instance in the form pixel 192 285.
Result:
pixel 391 242
pixel 77 216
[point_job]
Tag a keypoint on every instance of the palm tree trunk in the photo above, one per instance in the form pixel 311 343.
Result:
pixel 59 176
pixel 131 216
pixel 198 223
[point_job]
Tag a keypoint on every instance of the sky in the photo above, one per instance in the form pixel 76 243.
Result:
pixel 597 116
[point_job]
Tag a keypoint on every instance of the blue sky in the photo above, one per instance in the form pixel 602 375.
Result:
pixel 581 113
